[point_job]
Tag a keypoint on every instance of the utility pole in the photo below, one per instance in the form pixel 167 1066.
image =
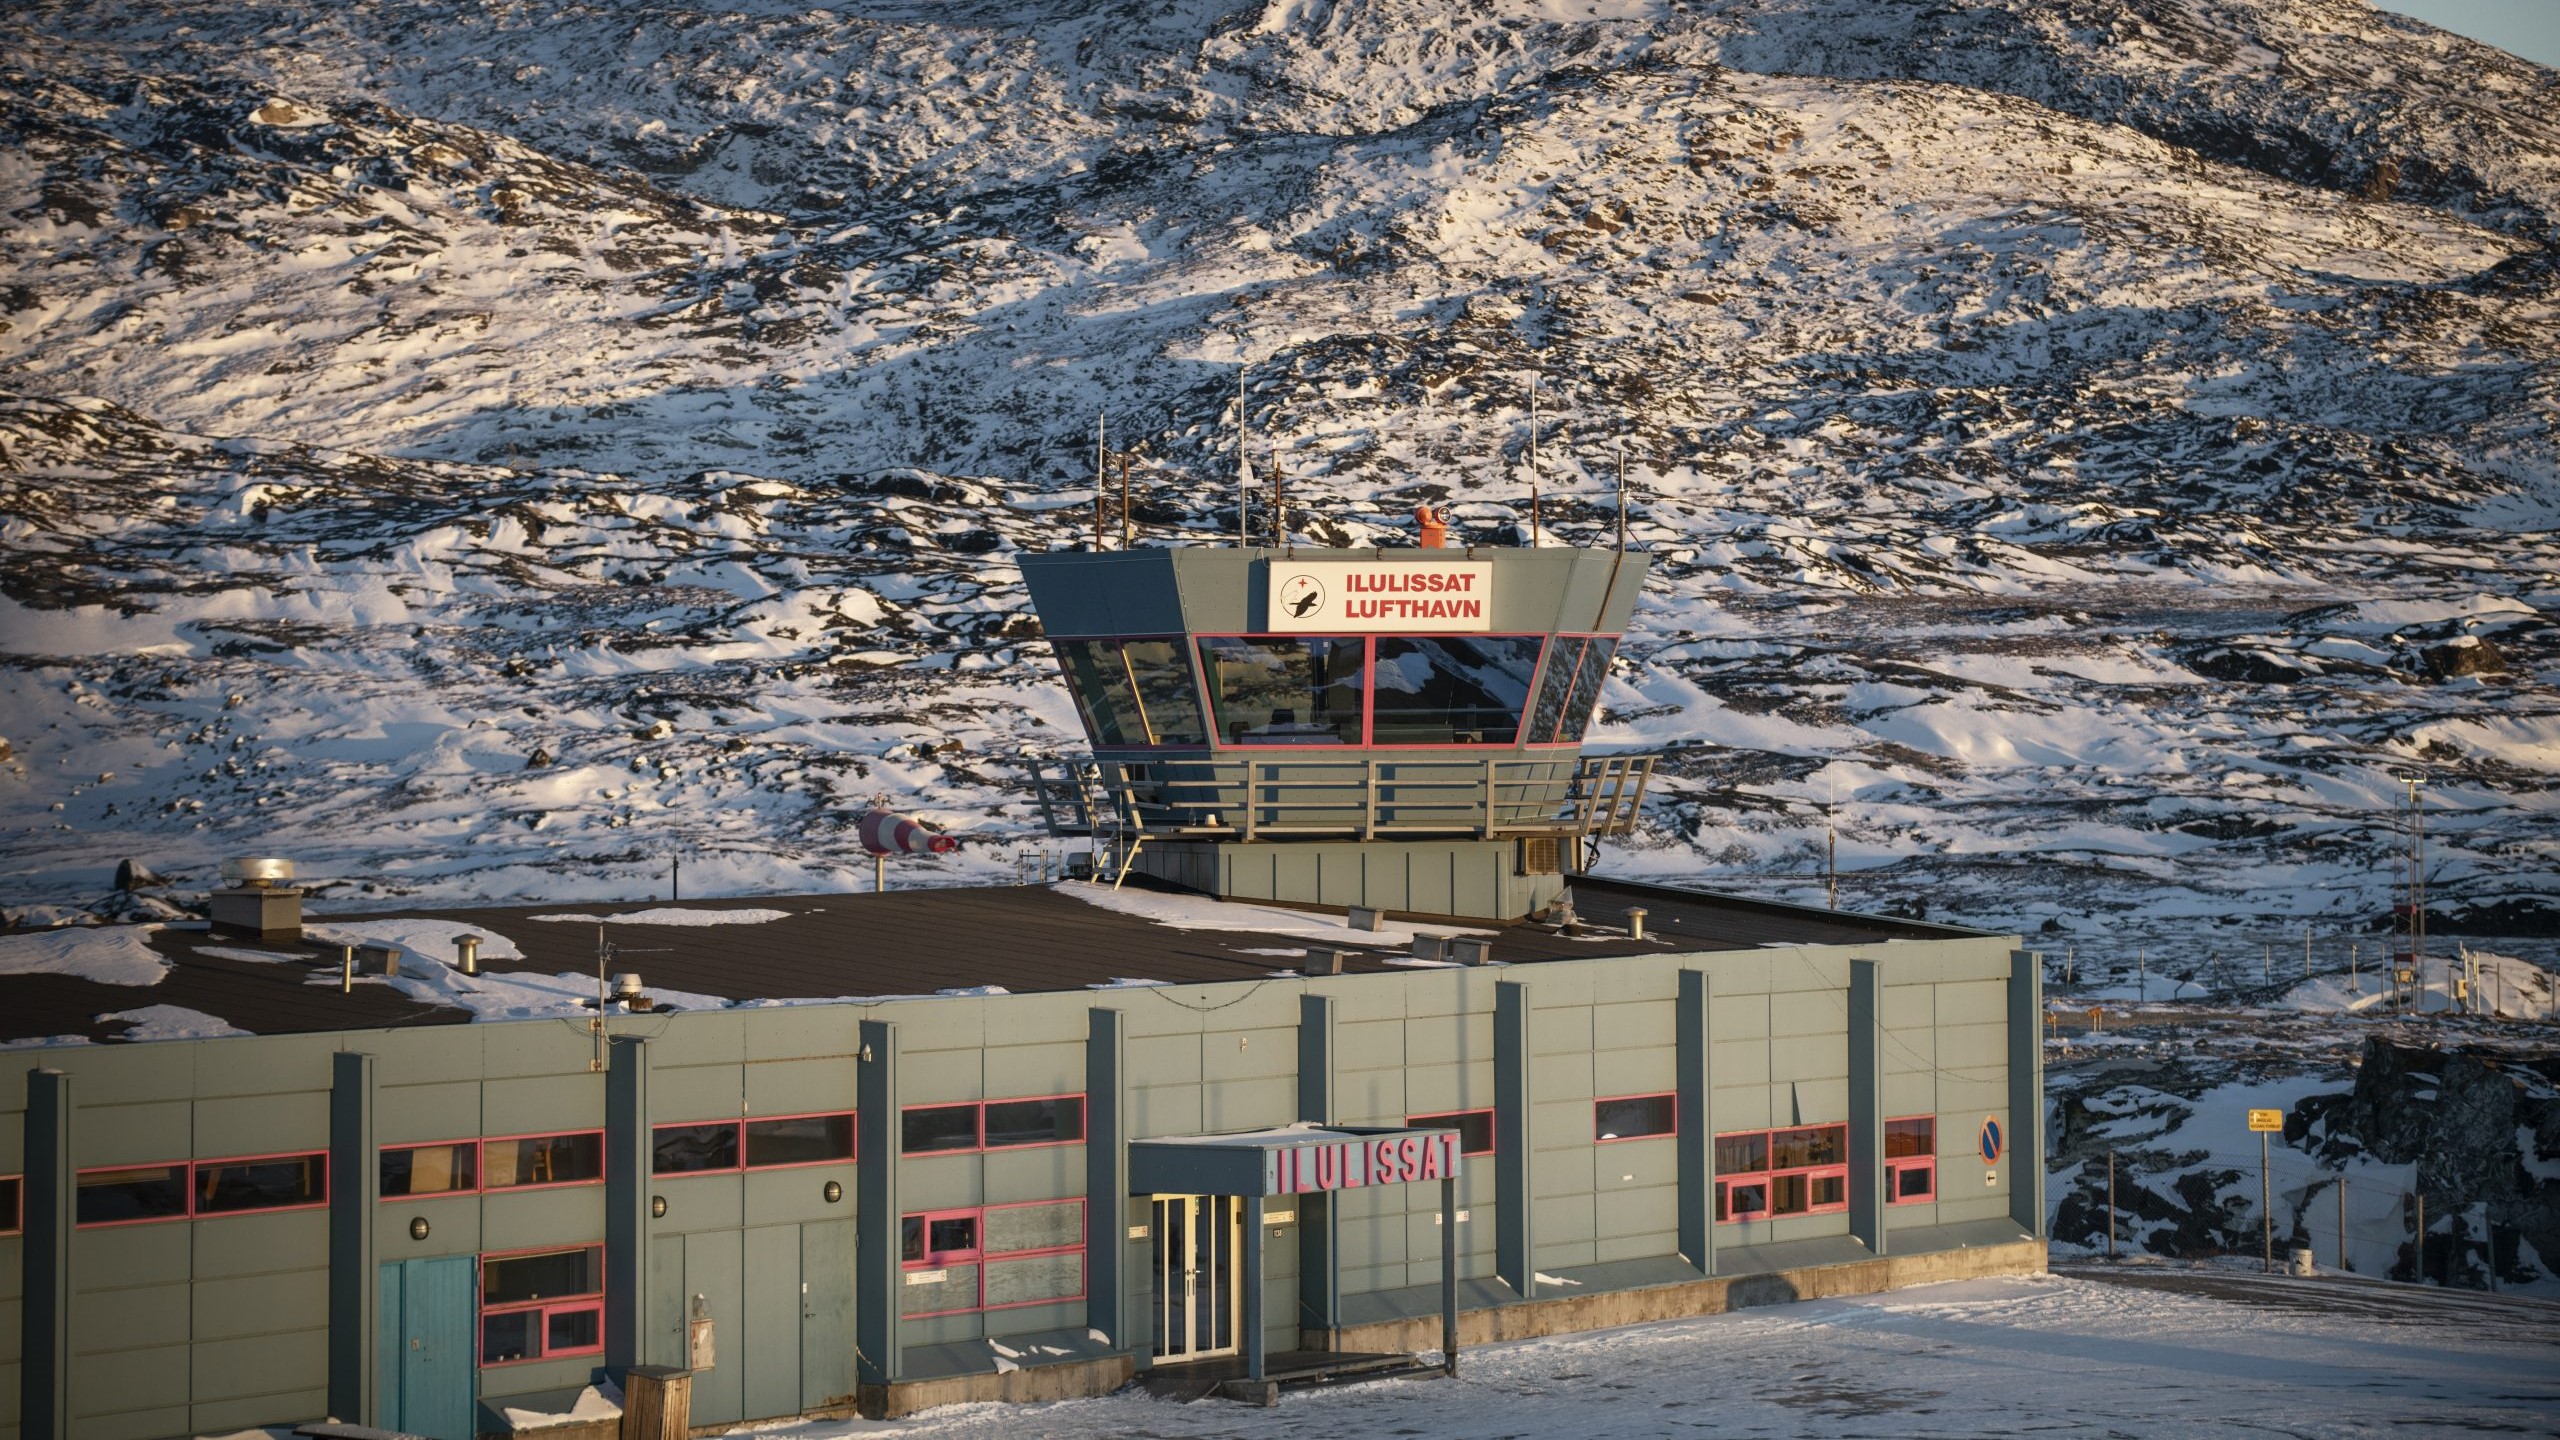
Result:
pixel 1244 466
pixel 1622 503
pixel 2266 1211
pixel 2343 1263
pixel 1533 461
pixel 1101 476
pixel 2142 968
pixel 1124 500
pixel 1831 855
pixel 1279 505
pixel 2111 1204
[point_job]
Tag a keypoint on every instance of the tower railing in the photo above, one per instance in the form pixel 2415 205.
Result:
pixel 1357 797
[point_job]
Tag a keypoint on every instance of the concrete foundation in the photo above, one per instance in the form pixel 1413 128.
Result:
pixel 1073 1381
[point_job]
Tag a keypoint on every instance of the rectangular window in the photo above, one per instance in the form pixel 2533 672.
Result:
pixel 13 1191
pixel 528 1160
pixel 1056 1120
pixel 1287 690
pixel 1474 1127
pixel 799 1140
pixel 991 1125
pixel 1634 1117
pixel 689 1149
pixel 1587 680
pixel 992 1258
pixel 280 1182
pixel 1769 1174
pixel 130 1193
pixel 1451 691
pixel 1546 717
pixel 1133 692
pixel 541 1305
pixel 1911 1160
pixel 444 1169
pixel 934 1129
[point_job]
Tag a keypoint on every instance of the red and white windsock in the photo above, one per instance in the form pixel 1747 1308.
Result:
pixel 886 832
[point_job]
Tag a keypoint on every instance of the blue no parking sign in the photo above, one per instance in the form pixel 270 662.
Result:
pixel 1990 1142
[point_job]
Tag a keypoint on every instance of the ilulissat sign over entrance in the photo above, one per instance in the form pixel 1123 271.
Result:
pixel 1337 597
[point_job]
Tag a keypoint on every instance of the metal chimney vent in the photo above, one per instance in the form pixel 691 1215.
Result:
pixel 258 873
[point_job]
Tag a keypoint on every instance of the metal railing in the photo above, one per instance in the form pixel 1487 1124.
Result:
pixel 1360 797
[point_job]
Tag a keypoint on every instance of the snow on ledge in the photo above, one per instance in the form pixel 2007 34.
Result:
pixel 671 915
pixel 171 1022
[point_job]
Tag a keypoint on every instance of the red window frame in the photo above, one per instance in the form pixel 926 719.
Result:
pixel 1448 1120
pixel 1923 1163
pixel 604 1161
pixel 585 1302
pixel 739 1129
pixel 979 1255
pixel 1767 1178
pixel 1668 1095
pixel 1369 687
pixel 1083 1125
pixel 478 1160
pixel 189 1181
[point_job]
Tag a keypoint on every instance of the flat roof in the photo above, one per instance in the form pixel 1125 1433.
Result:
pixel 1027 939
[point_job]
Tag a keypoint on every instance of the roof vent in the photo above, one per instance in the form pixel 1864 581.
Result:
pixel 626 988
pixel 1332 962
pixel 378 957
pixel 1468 951
pixel 1430 947
pixel 466 954
pixel 1635 922
pixel 1363 917
pixel 258 899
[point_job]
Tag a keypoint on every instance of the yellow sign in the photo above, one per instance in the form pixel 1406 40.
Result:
pixel 2266 1120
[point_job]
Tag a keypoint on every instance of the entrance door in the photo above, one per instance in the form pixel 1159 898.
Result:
pixel 1198 1251
pixel 428 1367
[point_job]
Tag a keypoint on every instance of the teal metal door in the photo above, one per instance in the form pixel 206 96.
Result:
pixel 826 1314
pixel 428 1374
pixel 770 1342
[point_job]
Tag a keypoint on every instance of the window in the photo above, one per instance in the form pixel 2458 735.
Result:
pixel 1452 691
pixel 13 1190
pixel 1761 1174
pixel 991 1125
pixel 1287 690
pixel 528 1160
pixel 991 1259
pixel 799 1140
pixel 1474 1127
pixel 541 1304
pixel 280 1182
pixel 127 1194
pixel 1911 1160
pixel 685 1149
pixel 1133 692
pixel 449 1168
pixel 1634 1117
pixel 1577 666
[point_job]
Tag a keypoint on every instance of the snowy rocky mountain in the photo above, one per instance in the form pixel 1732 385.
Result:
pixel 494 449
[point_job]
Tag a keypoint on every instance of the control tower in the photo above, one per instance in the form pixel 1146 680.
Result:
pixel 1399 729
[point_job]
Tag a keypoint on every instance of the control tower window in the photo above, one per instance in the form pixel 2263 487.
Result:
pixel 1455 690
pixel 1576 667
pixel 1133 692
pixel 1286 690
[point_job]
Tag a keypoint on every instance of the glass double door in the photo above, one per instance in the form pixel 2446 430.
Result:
pixel 1198 1263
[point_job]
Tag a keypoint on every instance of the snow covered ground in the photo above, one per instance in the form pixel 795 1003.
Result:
pixel 2045 1355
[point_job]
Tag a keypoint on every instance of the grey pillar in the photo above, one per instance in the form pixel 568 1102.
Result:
pixel 1697 1122
pixel 627 1153
pixel 2026 1090
pixel 1106 1176
pixel 1254 1341
pixel 875 1234
pixel 355 1273
pixel 1449 1275
pixel 1866 1105
pixel 1513 1248
pixel 44 1304
pixel 1319 1250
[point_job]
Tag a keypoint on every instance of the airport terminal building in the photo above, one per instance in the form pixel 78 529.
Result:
pixel 1344 1059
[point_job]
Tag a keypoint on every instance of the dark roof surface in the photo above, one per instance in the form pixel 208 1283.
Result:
pixel 1025 939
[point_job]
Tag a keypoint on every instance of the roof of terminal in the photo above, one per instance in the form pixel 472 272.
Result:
pixel 540 960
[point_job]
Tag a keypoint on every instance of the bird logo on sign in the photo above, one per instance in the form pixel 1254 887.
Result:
pixel 1301 594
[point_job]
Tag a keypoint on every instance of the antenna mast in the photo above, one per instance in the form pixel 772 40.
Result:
pixel 1100 478
pixel 1533 460
pixel 1622 503
pixel 1244 466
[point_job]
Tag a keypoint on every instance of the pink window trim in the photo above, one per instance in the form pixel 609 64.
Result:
pixel 734 1126
pixel 981 1257
pixel 804 1115
pixel 592 1300
pixel 1183 642
pixel 1368 688
pixel 477 1160
pixel 1671 1095
pixel 1768 1180
pixel 604 1162
pixel 1427 1122
pixel 980 1106
pixel 187 1185
pixel 1895 1165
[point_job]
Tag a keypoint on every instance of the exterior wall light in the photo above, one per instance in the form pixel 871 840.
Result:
pixel 833 1192
pixel 417 1227
pixel 657 1207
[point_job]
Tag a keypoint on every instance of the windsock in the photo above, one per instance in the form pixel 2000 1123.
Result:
pixel 886 832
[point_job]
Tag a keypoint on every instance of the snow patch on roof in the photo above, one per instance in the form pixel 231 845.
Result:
pixel 672 915
pixel 171 1022
pixel 106 954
